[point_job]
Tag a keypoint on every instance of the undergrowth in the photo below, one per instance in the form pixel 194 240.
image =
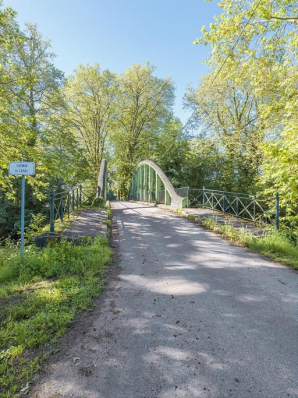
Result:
pixel 277 246
pixel 40 293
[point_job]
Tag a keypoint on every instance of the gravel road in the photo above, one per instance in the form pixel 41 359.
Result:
pixel 190 315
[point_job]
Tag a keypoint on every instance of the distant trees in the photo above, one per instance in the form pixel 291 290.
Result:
pixel 228 114
pixel 66 126
pixel 120 117
pixel 244 113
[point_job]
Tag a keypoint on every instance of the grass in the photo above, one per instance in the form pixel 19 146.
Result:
pixel 277 246
pixel 39 295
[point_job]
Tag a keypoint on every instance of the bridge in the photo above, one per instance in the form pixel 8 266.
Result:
pixel 185 313
pixel 150 184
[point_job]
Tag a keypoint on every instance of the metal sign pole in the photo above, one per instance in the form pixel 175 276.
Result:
pixel 23 169
pixel 22 214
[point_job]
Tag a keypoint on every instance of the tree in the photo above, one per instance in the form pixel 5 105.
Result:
pixel 228 112
pixel 170 151
pixel 256 41
pixel 35 80
pixel 9 36
pixel 30 94
pixel 91 97
pixel 145 104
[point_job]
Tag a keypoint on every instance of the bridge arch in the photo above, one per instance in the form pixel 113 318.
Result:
pixel 150 184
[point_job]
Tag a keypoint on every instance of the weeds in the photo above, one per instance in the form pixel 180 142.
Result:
pixel 277 246
pixel 39 295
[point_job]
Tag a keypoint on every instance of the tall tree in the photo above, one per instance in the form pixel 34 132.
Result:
pixel 9 36
pixel 257 41
pixel 30 87
pixel 91 96
pixel 145 106
pixel 229 112
pixel 35 80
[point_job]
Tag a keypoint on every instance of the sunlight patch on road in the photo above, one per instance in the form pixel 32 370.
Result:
pixel 176 286
pixel 249 298
pixel 180 267
pixel 168 352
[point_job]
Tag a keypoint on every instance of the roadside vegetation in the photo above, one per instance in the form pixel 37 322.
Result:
pixel 39 295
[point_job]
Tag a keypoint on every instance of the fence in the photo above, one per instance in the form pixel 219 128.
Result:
pixel 257 208
pixel 66 203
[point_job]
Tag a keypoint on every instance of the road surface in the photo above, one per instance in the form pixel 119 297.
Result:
pixel 189 316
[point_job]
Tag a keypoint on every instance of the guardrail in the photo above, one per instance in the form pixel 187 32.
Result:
pixel 67 202
pixel 257 208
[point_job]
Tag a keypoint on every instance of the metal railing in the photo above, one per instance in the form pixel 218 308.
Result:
pixel 257 208
pixel 182 191
pixel 66 203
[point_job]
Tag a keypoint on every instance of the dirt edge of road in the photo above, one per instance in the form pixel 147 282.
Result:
pixel 81 322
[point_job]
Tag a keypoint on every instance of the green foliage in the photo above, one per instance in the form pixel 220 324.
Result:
pixel 30 130
pixel 278 246
pixel 239 235
pixel 248 101
pixel 98 202
pixel 280 173
pixel 170 151
pixel 144 109
pixel 109 223
pixel 203 164
pixel 91 100
pixel 40 296
pixel 227 113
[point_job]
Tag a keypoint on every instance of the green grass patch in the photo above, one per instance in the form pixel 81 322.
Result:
pixel 277 246
pixel 39 295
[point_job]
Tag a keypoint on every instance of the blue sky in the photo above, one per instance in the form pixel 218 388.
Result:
pixel 119 33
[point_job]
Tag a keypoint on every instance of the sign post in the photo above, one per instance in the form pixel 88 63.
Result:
pixel 23 169
pixel 22 214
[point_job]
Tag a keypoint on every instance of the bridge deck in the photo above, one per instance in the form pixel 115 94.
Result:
pixel 89 223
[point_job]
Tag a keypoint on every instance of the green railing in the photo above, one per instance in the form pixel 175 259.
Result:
pixel 257 208
pixel 65 203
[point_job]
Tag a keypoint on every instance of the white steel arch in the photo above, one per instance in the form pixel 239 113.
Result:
pixel 150 184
